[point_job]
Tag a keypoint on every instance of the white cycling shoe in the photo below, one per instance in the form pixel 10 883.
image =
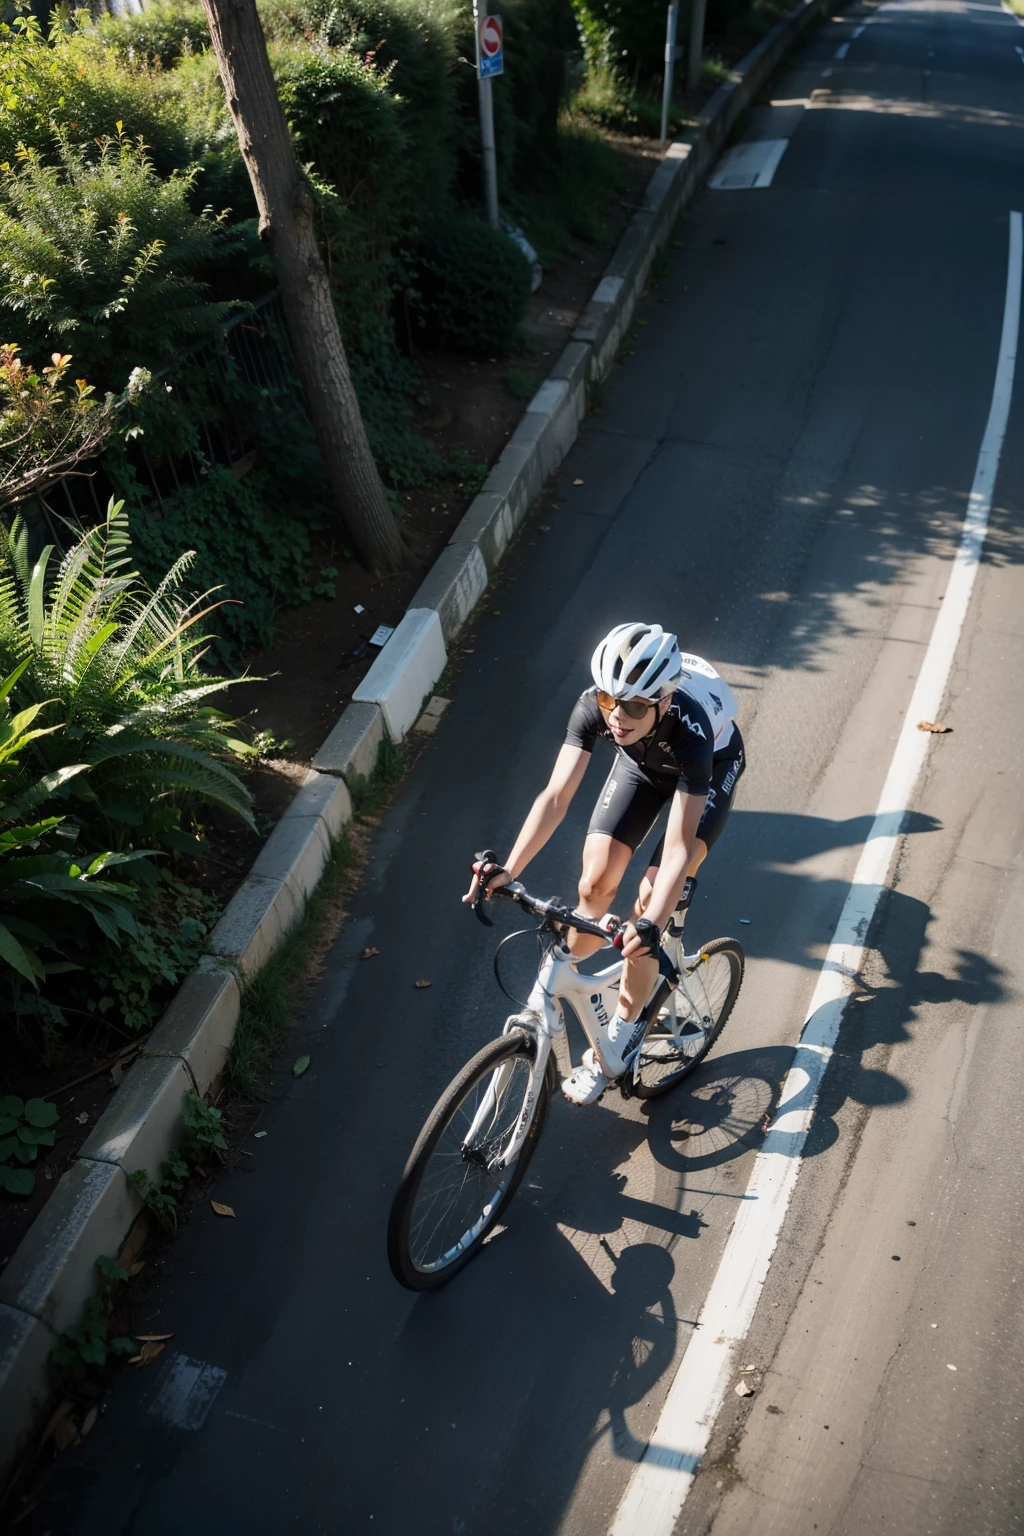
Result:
pixel 587 1082
pixel 595 1073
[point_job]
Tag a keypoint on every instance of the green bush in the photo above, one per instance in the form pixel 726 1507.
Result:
pixel 121 665
pixel 165 32
pixel 245 542
pixel 101 255
pixel 130 984
pixel 24 1128
pixel 471 286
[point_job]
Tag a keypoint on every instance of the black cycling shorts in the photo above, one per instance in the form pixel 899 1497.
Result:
pixel 631 800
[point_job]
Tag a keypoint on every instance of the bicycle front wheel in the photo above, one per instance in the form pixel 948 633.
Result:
pixel 449 1199
pixel 692 1020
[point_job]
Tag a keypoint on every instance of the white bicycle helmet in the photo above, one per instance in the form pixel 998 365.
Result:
pixel 637 661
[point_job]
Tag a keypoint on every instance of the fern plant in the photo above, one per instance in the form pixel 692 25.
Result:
pixel 40 879
pixel 123 666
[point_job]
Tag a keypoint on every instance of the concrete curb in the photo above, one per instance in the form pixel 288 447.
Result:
pixel 44 1287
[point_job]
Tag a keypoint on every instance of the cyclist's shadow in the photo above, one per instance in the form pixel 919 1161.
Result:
pixel 576 1363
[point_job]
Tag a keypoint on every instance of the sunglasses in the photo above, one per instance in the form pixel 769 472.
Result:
pixel 634 708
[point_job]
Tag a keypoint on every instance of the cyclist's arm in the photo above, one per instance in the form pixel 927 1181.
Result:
pixel 545 815
pixel 549 808
pixel 680 834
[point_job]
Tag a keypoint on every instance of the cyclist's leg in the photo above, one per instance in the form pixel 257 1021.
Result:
pixel 626 809
pixel 726 770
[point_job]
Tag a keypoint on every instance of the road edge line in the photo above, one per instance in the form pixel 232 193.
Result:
pixel 662 1479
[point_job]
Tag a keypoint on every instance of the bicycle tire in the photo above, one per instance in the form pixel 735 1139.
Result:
pixel 412 1264
pixel 662 1063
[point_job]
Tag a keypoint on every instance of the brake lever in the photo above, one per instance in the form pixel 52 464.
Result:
pixel 481 915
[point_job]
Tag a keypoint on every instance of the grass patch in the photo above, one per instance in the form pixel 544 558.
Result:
pixel 521 383
pixel 570 201
pixel 270 999
pixel 714 71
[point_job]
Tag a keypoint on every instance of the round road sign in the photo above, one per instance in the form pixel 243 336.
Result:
pixel 490 36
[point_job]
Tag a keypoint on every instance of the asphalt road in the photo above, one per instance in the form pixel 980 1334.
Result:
pixel 779 469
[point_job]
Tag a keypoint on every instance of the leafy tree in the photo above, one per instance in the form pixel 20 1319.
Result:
pixel 288 225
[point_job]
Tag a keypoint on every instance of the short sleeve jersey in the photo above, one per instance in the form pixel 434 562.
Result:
pixel 677 753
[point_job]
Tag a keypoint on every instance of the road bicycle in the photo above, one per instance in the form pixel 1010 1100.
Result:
pixel 478 1139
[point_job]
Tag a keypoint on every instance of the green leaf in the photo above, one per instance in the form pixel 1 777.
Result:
pixel 26 1154
pixel 17 1181
pixel 41 1113
pixel 8 1124
pixel 10 1104
pixel 8 1147
pixel 300 1066
pixel 16 955
pixel 111 1268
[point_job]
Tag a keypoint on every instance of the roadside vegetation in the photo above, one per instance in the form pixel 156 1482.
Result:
pixel 161 493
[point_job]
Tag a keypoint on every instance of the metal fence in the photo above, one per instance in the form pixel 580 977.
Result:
pixel 214 404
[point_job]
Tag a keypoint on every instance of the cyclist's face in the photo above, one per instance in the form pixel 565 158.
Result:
pixel 624 728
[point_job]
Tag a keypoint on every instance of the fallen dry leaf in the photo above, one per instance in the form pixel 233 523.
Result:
pixel 136 1268
pixel 422 983
pixel 65 1434
pixel 60 1412
pixel 221 1210
pixel 937 727
pixel 577 482
pixel 89 1422
pixel 369 952
pixel 744 1389
pixel 153 1338
pixel 146 1354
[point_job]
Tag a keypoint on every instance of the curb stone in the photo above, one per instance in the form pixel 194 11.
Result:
pixel 46 1283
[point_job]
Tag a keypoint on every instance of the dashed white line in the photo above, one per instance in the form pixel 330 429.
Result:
pixel 858 30
pixel 662 1479
pixel 842 50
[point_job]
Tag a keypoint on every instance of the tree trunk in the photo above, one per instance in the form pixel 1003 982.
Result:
pixel 285 202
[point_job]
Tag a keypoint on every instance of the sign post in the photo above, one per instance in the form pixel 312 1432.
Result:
pixel 671 54
pixel 696 52
pixel 490 61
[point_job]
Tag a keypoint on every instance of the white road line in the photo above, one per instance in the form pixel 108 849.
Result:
pixel 842 50
pixel 752 163
pixel 858 30
pixel 661 1481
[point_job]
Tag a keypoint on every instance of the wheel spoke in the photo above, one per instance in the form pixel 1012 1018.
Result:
pixel 457 1197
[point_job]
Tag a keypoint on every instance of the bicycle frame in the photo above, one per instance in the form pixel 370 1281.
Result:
pixel 593 998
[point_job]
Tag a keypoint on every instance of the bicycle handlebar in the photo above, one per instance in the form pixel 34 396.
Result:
pixel 518 893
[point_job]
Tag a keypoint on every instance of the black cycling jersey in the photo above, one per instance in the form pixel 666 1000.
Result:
pixel 676 754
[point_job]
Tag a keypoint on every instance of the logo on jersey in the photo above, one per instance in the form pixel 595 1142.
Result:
pixel 606 802
pixel 698 730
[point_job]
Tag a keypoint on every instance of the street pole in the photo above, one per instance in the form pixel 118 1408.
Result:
pixel 670 67
pixel 490 157
pixel 693 62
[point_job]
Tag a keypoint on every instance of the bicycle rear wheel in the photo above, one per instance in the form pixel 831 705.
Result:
pixel 692 1020
pixel 448 1199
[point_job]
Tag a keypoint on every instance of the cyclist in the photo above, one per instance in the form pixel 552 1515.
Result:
pixel 672 723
